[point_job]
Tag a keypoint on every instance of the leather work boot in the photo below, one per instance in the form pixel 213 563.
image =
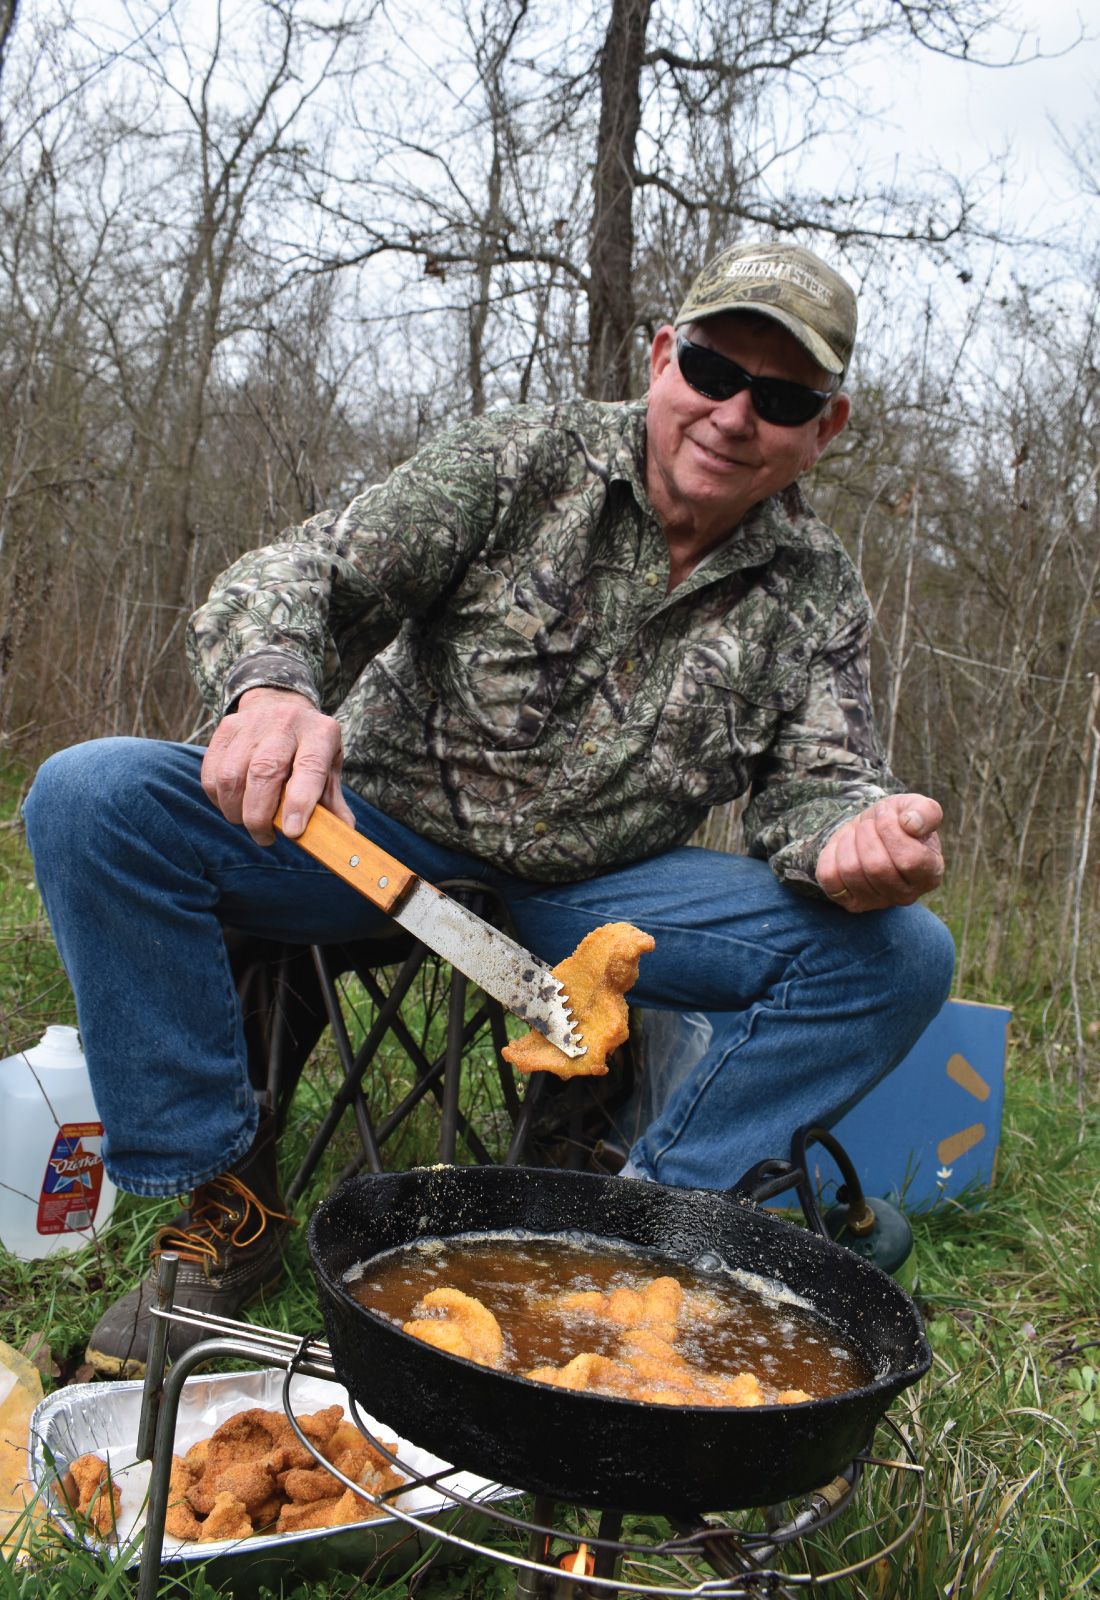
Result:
pixel 230 1240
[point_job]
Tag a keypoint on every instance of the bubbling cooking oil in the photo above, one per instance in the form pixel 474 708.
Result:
pixel 731 1322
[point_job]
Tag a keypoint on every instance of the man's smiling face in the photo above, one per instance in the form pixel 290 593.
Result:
pixel 708 462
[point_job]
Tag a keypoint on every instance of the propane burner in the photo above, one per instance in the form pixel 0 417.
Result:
pixel 572 1552
pixel 560 1551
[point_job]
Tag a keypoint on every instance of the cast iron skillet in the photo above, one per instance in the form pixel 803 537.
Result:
pixel 597 1449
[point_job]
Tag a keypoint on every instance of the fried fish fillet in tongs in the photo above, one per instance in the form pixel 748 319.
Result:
pixel 595 978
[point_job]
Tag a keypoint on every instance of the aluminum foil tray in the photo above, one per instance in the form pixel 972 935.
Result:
pixel 103 1417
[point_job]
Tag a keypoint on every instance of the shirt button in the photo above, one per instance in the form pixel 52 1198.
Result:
pixel 590 747
pixel 539 829
pixel 651 579
pixel 628 664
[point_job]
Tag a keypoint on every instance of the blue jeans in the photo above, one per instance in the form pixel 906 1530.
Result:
pixel 810 1005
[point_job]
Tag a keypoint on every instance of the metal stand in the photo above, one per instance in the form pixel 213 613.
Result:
pixel 696 1551
pixel 160 1399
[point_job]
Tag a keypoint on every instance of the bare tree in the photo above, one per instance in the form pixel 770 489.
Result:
pixel 8 9
pixel 988 607
pixel 244 275
pixel 568 192
pixel 149 214
pixel 611 315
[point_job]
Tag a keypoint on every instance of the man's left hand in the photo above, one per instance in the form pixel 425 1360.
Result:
pixel 888 855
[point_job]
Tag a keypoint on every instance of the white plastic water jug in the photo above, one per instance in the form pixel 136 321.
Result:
pixel 53 1188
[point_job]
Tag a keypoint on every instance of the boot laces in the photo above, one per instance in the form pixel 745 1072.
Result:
pixel 225 1215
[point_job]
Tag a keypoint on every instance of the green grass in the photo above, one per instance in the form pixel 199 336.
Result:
pixel 33 987
pixel 1007 1423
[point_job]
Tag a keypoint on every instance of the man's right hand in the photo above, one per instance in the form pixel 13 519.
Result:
pixel 275 739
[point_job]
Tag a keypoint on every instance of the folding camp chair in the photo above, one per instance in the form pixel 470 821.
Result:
pixel 395 1011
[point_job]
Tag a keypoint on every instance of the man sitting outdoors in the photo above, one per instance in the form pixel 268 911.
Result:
pixel 536 656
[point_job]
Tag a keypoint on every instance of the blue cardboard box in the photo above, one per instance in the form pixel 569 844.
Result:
pixel 930 1130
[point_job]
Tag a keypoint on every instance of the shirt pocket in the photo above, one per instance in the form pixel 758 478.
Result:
pixel 510 650
pixel 722 713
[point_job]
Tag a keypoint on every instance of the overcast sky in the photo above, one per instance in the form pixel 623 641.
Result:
pixel 960 113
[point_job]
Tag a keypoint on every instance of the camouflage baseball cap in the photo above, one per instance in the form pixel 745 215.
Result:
pixel 784 282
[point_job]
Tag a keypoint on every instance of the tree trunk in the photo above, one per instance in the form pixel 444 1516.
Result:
pixel 610 293
pixel 479 311
pixel 8 8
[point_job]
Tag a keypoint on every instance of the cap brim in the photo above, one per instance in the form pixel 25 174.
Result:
pixel 810 341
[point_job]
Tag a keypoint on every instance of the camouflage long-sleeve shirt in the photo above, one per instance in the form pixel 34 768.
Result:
pixel 492 629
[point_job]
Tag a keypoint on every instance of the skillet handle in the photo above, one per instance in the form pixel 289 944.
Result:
pixel 764 1182
pixel 772 1177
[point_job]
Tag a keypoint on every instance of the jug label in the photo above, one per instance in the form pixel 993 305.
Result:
pixel 74 1177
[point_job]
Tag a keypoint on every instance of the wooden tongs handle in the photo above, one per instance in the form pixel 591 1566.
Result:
pixel 352 856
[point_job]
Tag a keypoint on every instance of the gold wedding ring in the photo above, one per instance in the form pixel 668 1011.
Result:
pixel 838 894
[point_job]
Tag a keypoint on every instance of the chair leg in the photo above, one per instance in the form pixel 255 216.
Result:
pixel 428 1081
pixel 314 994
pixel 521 1126
pixel 282 1012
pixel 452 1071
pixel 505 1073
pixel 461 1031
pixel 354 1068
pixel 279 1092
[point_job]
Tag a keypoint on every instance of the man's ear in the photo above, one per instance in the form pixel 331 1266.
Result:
pixel 662 351
pixel 832 421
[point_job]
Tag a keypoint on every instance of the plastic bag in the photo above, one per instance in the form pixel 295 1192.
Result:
pixel 668 1045
pixel 20 1392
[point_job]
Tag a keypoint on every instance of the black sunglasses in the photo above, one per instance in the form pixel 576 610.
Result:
pixel 776 400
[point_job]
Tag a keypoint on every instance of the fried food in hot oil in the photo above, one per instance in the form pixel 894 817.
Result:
pixel 699 1306
pixel 661 1304
pixel 650 1370
pixel 657 1361
pixel 465 1328
pixel 653 1356
pixel 660 1369
pixel 583 1302
pixel 591 1373
pixel 658 1306
pixel 647 1365
pixel 588 1371
pixel 742 1390
pixel 595 977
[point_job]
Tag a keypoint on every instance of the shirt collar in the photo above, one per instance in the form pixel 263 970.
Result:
pixel 627 455
pixel 783 520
